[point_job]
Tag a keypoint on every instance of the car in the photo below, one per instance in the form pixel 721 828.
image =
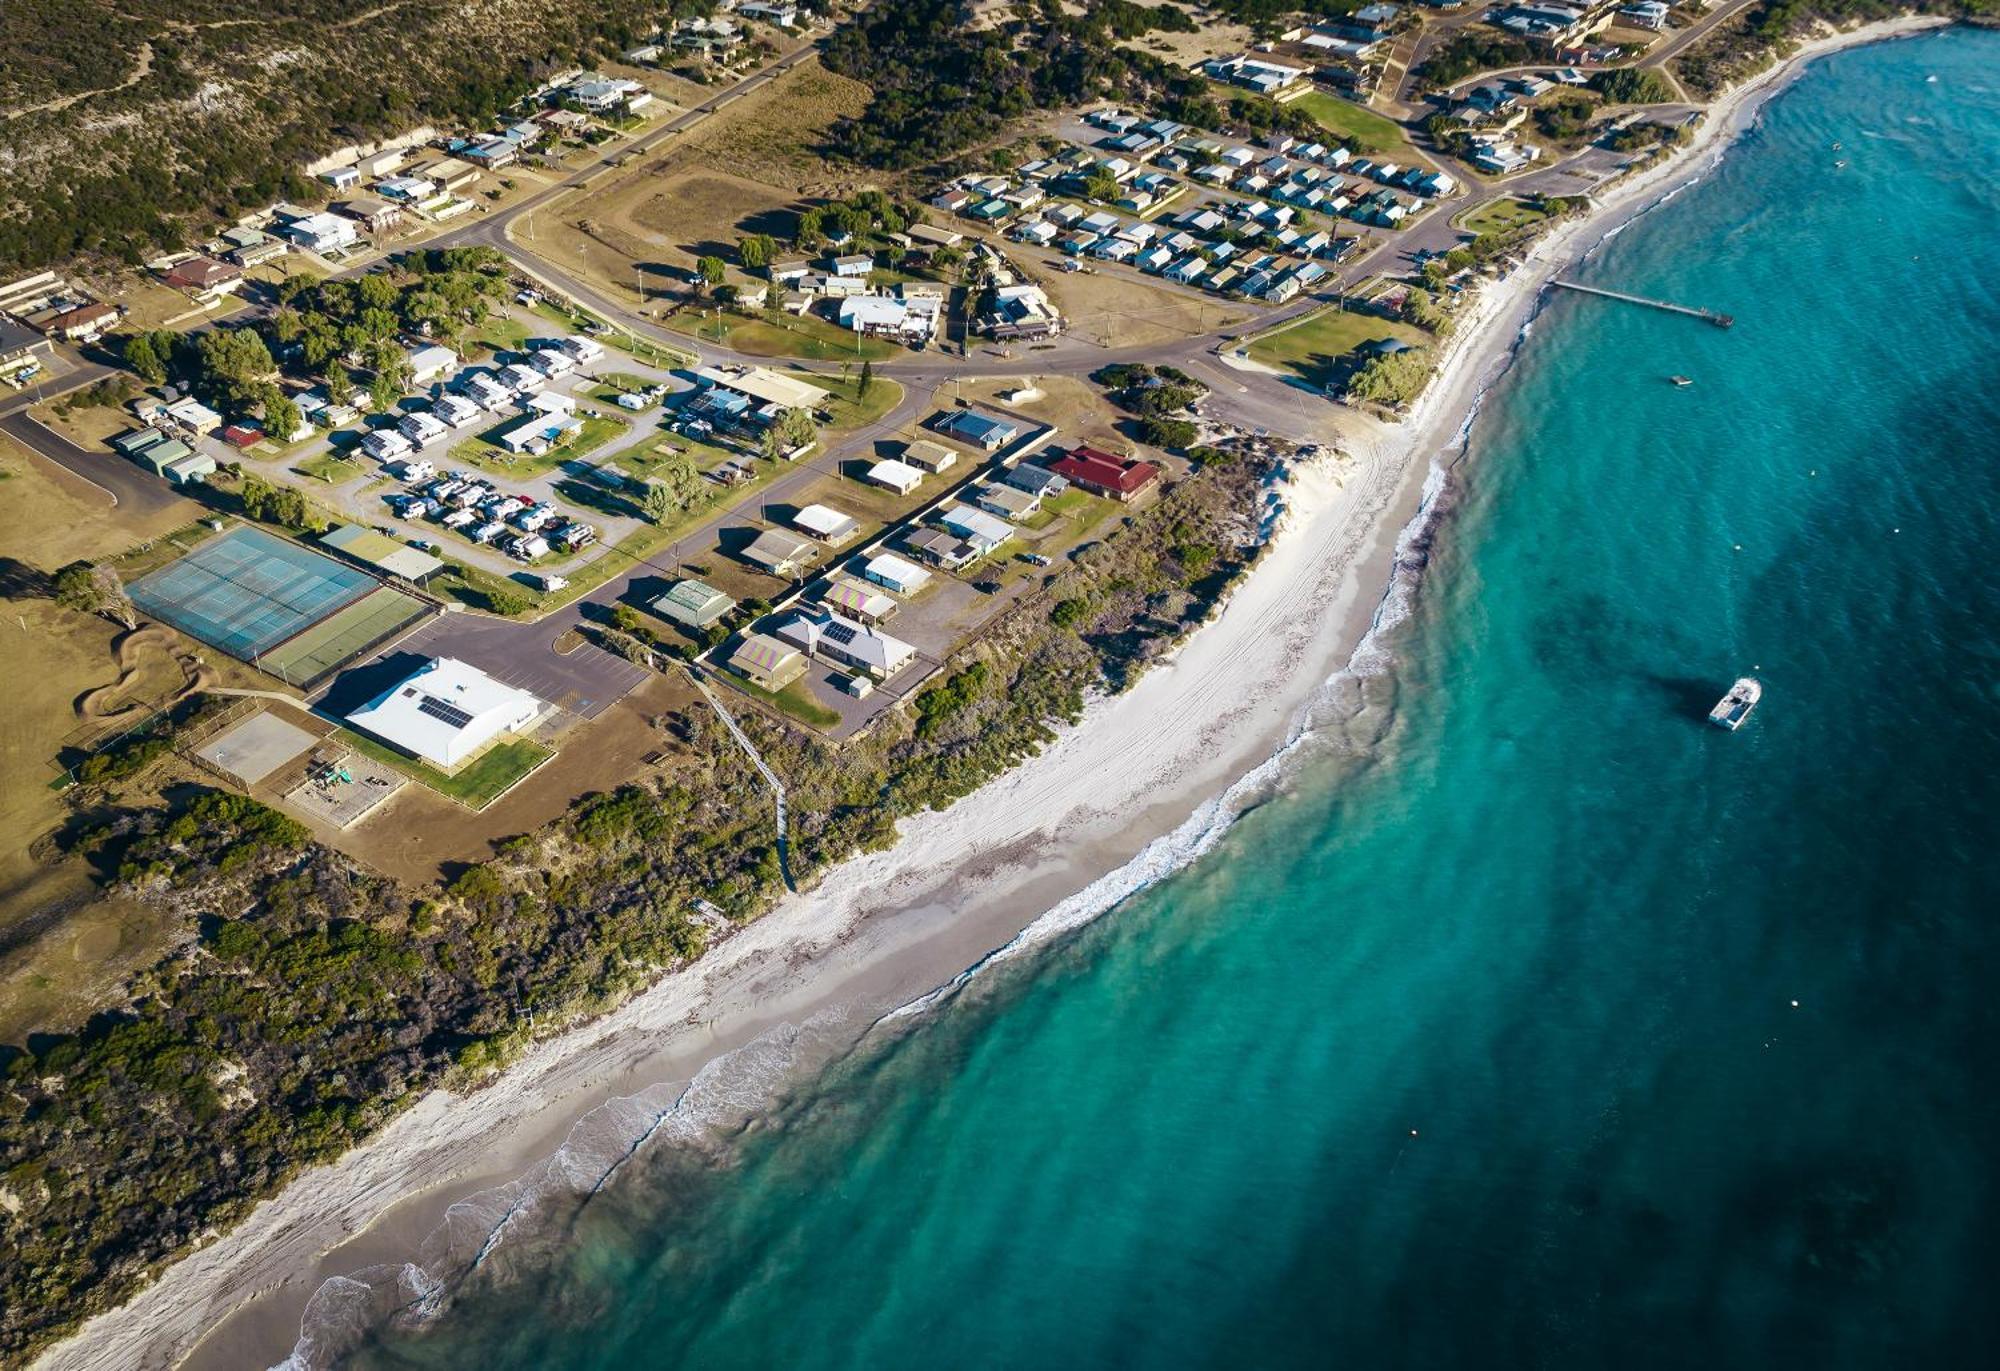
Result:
pixel 1034 559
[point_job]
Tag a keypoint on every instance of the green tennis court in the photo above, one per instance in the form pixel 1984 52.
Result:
pixel 334 641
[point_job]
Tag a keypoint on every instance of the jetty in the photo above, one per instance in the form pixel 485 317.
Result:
pixel 1707 316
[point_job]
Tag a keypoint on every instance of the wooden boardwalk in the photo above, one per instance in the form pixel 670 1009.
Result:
pixel 1707 316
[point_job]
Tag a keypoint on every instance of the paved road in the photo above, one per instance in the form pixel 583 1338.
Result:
pixel 130 486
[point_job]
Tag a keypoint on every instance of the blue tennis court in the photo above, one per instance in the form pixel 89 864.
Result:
pixel 247 591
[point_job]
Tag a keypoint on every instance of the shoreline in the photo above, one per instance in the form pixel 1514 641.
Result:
pixel 883 930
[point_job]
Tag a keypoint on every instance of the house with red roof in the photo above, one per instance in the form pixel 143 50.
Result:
pixel 1104 473
pixel 204 277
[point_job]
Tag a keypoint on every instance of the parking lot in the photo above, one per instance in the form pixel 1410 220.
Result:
pixel 585 681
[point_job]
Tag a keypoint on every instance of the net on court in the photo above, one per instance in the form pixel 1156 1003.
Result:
pixel 247 591
pixel 345 634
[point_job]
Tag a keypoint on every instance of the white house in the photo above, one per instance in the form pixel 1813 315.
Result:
pixel 421 429
pixel 825 524
pixel 445 711
pixel 384 444
pixel 429 363
pixel 583 350
pixel 887 569
pixel 900 477
pixel 322 232
pixel 835 637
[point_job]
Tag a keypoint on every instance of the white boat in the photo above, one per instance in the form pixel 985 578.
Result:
pixel 1732 709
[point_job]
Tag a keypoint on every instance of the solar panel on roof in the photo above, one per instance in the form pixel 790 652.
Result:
pixel 840 633
pixel 445 710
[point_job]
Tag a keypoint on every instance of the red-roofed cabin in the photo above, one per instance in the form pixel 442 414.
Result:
pixel 241 435
pixel 204 276
pixel 1105 473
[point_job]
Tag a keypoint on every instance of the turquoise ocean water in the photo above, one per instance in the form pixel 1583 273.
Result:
pixel 1481 1049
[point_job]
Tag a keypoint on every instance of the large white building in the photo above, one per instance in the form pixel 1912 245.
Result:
pixel 445 711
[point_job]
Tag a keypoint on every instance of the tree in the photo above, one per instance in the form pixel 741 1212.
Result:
pixel 383 392
pixel 1168 433
pixel 756 251
pixel 867 381
pixel 144 357
pixel 281 415
pixel 659 504
pixel 811 231
pixel 711 269
pixel 796 428
pixel 339 385
pixel 1396 379
pixel 92 589
pixel 231 363
pixel 507 601
pixel 376 291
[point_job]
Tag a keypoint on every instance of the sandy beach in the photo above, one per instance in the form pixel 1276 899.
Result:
pixel 1133 791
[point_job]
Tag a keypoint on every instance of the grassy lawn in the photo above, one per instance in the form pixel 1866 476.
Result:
pixel 1311 348
pixel 332 468
pixel 1502 216
pixel 619 383
pixel 503 333
pixel 808 338
pixel 852 410
pixel 795 700
pixel 487 455
pixel 475 785
pixel 644 461
pixel 1370 131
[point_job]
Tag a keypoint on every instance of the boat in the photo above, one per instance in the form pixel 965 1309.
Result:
pixel 1682 381
pixel 1732 709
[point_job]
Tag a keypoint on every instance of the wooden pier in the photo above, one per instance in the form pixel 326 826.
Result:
pixel 1707 316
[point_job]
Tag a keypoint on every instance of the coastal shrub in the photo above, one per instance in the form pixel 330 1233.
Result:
pixel 1633 86
pixel 1394 380
pixel 1168 433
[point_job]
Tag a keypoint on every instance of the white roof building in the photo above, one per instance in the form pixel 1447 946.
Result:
pixel 826 524
pixel 903 577
pixel 430 362
pixel 900 477
pixel 445 711
pixel 322 232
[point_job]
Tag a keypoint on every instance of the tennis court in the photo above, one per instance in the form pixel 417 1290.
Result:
pixel 247 591
pixel 348 632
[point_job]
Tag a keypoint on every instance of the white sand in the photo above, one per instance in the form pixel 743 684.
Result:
pixel 885 928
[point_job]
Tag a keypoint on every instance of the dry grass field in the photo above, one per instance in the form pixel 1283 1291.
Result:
pixel 1117 311
pixel 748 168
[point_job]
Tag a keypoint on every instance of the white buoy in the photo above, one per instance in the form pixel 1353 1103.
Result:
pixel 1795 1004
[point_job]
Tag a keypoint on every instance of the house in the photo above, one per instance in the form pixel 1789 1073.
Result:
pixel 430 362
pixel 1102 473
pixel 253 249
pixel 456 410
pixel 421 429
pixel 159 453
pixel 984 531
pixel 519 379
pixel 825 523
pixel 445 712
pixel 385 444
pixel 322 232
pixel 1647 14
pixel 1022 311
pixel 862 603
pixel 193 415
pixel 539 432
pixel 911 321
pixel 409 190
pixel 858 264
pixel 1038 481
pixel 766 662
pixel 887 569
pixel 342 178
pixel 600 96
pixel 583 351
pixel 941 549
pixel 897 476
pixel 931 237
pixel 780 12
pixel 768 390
pixel 1009 502
pixel 83 324
pixel 1265 78
pixel 838 638
pixel 374 216
pixel 205 278
pixel 491 154
pixel 693 604
pixel 451 173
pixel 552 363
pixel 1187 271
pixel 779 553
pixel 1155 259
pixel 979 430
pixel 928 456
